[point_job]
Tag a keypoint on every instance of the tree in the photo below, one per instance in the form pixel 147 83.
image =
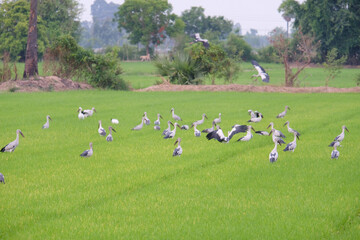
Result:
pixel 196 22
pixel 302 56
pixel 335 23
pixel 237 48
pixel 146 21
pixel 333 64
pixel 14 23
pixel 60 17
pixel 31 57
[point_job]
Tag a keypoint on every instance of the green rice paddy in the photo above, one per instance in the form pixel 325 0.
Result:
pixel 132 188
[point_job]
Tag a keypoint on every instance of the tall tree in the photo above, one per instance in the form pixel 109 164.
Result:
pixel 335 23
pixel 61 17
pixel 31 57
pixel 14 23
pixel 146 21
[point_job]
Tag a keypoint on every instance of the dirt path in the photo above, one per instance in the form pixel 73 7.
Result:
pixel 167 87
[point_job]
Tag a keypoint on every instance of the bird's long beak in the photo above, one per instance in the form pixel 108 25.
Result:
pixel 253 129
pixel 206 117
pixel 285 123
pixel 22 134
pixel 113 129
pixel 262 116
pixel 268 126
pixel 78 110
pixel 270 133
pixel 347 129
pixel 289 108
pixel 50 118
pixel 171 123
pixel 176 142
pixel 161 117
pixel 297 136
pixel 94 110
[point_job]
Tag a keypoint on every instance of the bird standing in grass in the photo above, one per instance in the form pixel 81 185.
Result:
pixel 101 130
pixel 157 122
pixel 146 119
pixel 292 145
pixel 197 133
pixel 273 156
pixel 81 113
pixel 282 114
pixel 335 153
pixel 248 135
pixel 47 124
pixel 89 152
pixel 140 126
pixel 109 137
pixel 341 136
pixel 114 121
pixel 168 129
pixel 174 116
pixel 89 112
pixel 11 146
pixel 290 130
pixel 178 150
pixel 2 179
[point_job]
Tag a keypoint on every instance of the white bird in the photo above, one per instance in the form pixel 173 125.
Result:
pixel 290 130
pixel 109 137
pixel 114 121
pixel 46 125
pixel 89 112
pixel 81 113
pixel 273 156
pixel 218 120
pixel 335 153
pixel 178 150
pixel 199 122
pixel 184 127
pixel 205 42
pixel 261 72
pixel 210 129
pixel 101 130
pixel 282 114
pixel 236 129
pixel 157 122
pixel 292 145
pixel 251 113
pixel 172 133
pixel 140 126
pixel 257 117
pixel 276 139
pixel 276 133
pixel 11 146
pixel 168 129
pixel 341 136
pixel 218 134
pixel 174 116
pixel 146 119
pixel 197 133
pixel 248 135
pixel 2 179
pixel 89 152
pixel 334 144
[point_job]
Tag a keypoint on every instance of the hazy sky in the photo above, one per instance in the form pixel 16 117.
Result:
pixel 261 15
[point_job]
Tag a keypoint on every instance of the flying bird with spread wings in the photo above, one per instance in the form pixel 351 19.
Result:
pixel 205 42
pixel 261 72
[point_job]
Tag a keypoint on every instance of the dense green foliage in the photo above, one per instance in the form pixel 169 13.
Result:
pixel 333 65
pixel 68 59
pixel 180 69
pixel 237 48
pixel 147 21
pixel 196 22
pixel 132 188
pixel 14 24
pixel 335 23
pixel 60 17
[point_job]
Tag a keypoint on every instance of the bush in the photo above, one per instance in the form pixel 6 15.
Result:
pixel 67 59
pixel 180 69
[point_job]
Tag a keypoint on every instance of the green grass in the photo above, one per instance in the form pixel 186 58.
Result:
pixel 133 188
pixel 144 74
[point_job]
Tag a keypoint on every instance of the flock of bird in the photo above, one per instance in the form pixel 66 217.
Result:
pixel 215 132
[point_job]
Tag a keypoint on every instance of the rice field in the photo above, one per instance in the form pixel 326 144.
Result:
pixel 132 188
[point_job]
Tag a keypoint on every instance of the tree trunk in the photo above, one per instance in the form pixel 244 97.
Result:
pixel 31 65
